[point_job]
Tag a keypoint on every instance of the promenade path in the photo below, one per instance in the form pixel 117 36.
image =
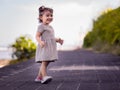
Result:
pixel 75 70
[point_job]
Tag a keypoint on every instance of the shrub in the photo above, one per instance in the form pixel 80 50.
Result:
pixel 105 33
pixel 24 47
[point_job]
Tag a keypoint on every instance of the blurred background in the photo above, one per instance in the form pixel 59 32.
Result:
pixel 81 23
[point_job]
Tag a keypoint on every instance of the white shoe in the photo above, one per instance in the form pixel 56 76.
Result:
pixel 38 79
pixel 46 79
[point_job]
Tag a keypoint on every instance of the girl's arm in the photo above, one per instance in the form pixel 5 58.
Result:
pixel 38 35
pixel 57 39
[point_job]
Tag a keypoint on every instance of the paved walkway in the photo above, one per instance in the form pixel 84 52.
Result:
pixel 75 70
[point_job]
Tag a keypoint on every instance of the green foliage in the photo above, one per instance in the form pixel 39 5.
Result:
pixel 106 31
pixel 88 43
pixel 24 47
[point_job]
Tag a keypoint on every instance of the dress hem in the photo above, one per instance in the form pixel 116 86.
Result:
pixel 46 61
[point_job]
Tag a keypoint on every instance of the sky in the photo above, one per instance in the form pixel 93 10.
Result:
pixel 72 18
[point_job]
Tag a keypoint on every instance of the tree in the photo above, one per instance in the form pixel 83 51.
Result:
pixel 106 32
pixel 24 47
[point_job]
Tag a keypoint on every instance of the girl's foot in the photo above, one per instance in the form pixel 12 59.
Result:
pixel 46 79
pixel 38 79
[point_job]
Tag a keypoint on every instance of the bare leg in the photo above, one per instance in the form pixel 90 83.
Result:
pixel 39 74
pixel 43 69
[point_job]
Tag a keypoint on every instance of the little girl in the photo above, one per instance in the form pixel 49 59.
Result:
pixel 46 51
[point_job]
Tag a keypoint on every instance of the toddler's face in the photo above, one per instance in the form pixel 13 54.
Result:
pixel 47 17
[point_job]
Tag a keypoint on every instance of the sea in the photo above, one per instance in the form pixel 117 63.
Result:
pixel 6 53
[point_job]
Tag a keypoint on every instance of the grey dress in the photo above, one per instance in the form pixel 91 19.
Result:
pixel 49 51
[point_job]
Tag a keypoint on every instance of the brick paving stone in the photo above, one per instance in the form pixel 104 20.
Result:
pixel 88 86
pixel 96 72
pixel 66 85
pixel 109 86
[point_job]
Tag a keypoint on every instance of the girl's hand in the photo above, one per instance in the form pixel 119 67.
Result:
pixel 60 41
pixel 42 44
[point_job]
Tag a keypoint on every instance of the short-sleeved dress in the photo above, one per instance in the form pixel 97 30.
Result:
pixel 49 51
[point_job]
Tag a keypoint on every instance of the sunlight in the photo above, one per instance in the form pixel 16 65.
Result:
pixel 84 67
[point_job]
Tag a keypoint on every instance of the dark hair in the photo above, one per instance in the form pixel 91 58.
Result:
pixel 42 9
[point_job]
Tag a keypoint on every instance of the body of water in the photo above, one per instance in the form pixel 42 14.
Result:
pixel 5 53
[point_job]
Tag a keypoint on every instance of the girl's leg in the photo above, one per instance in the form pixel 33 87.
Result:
pixel 39 73
pixel 43 69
